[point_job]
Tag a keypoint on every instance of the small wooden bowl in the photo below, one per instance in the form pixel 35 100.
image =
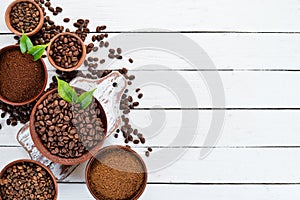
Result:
pixel 81 60
pixel 45 152
pixel 34 162
pixel 44 85
pixel 7 18
pixel 115 147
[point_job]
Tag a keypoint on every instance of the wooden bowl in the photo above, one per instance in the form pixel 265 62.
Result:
pixel 44 85
pixel 81 60
pixel 7 18
pixel 45 152
pixel 34 162
pixel 116 147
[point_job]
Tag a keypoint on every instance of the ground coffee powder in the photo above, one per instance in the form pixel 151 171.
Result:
pixel 116 174
pixel 21 79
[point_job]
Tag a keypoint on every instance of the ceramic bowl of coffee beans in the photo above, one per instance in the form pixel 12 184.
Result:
pixel 116 173
pixel 27 179
pixel 22 80
pixel 24 15
pixel 66 52
pixel 64 132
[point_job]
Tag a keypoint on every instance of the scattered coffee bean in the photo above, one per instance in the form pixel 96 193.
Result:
pixel 149 149
pixel 147 153
pixel 140 96
pixel 66 20
pixel 130 60
pixel 119 50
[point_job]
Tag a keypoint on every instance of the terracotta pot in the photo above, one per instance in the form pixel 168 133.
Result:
pixel 81 60
pixel 114 147
pixel 44 85
pixel 37 163
pixel 45 152
pixel 7 18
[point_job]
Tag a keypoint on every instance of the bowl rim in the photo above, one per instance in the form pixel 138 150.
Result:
pixel 79 62
pixel 4 49
pixel 45 152
pixel 114 147
pixel 7 18
pixel 37 163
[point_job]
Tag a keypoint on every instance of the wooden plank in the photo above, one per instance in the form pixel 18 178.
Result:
pixel 190 15
pixel 227 51
pixel 194 192
pixel 254 165
pixel 241 128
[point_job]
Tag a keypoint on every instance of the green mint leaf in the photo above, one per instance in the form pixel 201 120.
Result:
pixel 25 43
pixel 86 99
pixel 66 92
pixel 37 51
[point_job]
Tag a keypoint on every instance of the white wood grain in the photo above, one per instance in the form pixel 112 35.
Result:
pixel 254 165
pixel 196 192
pixel 227 51
pixel 241 128
pixel 189 15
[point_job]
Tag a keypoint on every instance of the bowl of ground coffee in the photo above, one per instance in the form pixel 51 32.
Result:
pixel 116 172
pixel 27 179
pixel 22 80
pixel 24 15
pixel 64 132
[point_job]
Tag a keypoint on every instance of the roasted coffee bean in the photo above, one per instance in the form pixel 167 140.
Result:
pixel 147 153
pixel 24 16
pixel 66 20
pixel 130 60
pixel 140 96
pixel 66 51
pixel 119 50
pixel 102 61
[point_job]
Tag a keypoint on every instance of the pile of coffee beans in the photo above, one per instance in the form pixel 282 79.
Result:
pixel 116 174
pixel 67 130
pixel 66 51
pixel 26 180
pixel 24 16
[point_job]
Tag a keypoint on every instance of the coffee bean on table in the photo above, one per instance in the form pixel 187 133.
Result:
pixel 24 16
pixel 66 51
pixel 66 20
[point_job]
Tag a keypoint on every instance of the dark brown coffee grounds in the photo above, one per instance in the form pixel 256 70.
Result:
pixel 27 181
pixel 24 16
pixel 116 174
pixel 21 79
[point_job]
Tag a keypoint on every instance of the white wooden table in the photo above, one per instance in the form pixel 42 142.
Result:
pixel 255 46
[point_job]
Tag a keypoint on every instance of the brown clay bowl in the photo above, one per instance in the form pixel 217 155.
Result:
pixel 34 162
pixel 45 152
pixel 42 89
pixel 116 147
pixel 7 18
pixel 81 60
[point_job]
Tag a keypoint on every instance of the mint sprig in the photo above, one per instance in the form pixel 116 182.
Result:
pixel 67 93
pixel 27 46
